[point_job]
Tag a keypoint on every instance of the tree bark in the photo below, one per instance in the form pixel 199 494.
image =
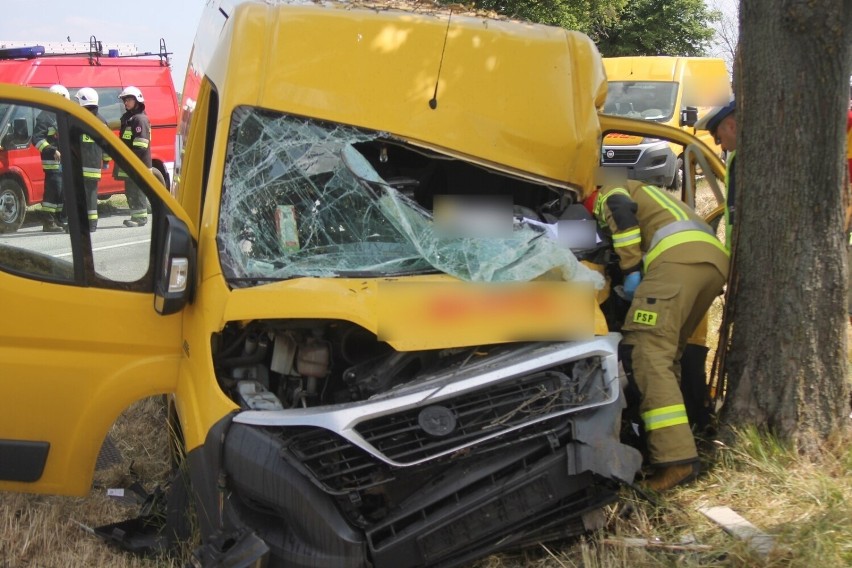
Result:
pixel 787 364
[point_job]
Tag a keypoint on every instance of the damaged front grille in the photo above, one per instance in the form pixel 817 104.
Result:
pixel 482 417
pixel 421 433
pixel 333 462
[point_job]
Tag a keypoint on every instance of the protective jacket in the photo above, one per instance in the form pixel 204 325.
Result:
pixel 648 225
pixel 730 206
pixel 91 154
pixel 135 131
pixel 45 140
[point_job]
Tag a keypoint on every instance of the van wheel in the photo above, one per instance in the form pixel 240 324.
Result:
pixel 13 207
pixel 677 179
pixel 159 175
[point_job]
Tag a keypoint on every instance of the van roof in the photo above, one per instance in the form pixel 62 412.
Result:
pixel 522 97
pixel 659 68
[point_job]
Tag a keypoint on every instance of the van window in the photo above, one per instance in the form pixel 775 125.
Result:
pixel 16 126
pixel 69 237
pixel 121 255
pixel 42 250
pixel 649 100
pixel 302 197
pixel 110 106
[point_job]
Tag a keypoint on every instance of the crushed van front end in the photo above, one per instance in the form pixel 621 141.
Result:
pixel 479 450
pixel 408 325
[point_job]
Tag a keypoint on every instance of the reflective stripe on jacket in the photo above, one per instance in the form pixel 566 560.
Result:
pixel 647 223
pixel 45 139
pixel 135 132
pixel 91 153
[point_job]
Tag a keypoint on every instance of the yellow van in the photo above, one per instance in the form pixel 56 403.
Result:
pixel 674 91
pixel 366 298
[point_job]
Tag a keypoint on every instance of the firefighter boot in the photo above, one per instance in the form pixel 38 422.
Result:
pixel 93 225
pixel 136 222
pixel 668 476
pixel 62 220
pixel 50 225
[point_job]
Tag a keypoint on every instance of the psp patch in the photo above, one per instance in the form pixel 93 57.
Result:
pixel 645 317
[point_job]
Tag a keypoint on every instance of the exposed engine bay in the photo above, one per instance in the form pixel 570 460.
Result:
pixel 416 458
pixel 277 365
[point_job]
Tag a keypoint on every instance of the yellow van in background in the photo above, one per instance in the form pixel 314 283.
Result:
pixel 674 91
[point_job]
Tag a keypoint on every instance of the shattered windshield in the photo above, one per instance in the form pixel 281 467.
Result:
pixel 649 100
pixel 300 199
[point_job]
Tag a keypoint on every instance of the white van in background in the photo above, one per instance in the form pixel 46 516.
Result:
pixel 670 90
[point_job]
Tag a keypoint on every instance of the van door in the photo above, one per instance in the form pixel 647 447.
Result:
pixel 81 337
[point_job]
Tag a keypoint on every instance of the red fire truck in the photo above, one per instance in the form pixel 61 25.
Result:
pixel 107 68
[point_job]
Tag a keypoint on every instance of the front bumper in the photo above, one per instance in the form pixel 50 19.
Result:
pixel 505 451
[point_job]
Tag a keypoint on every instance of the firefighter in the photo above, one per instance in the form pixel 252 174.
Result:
pixel 722 124
pixel 674 267
pixel 135 131
pixel 46 141
pixel 92 156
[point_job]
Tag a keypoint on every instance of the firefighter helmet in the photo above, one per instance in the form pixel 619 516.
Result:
pixel 60 90
pixel 132 92
pixel 87 97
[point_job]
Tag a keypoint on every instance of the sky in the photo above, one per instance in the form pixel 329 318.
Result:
pixel 142 23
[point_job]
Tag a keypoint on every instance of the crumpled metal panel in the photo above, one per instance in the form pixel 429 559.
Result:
pixel 300 200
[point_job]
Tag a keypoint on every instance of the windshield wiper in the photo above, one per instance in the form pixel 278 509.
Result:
pixel 253 280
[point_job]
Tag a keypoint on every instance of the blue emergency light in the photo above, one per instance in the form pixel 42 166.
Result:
pixel 28 52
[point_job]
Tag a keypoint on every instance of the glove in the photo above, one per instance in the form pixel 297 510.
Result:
pixel 631 282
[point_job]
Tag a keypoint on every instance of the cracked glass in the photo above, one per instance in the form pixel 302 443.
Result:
pixel 300 199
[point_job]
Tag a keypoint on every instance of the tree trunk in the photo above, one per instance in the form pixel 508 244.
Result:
pixel 787 365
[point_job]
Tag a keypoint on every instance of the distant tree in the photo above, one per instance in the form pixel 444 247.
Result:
pixel 620 27
pixel 583 15
pixel 658 27
pixel 787 361
pixel 726 35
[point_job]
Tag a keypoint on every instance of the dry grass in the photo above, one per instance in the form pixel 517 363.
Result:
pixel 41 531
pixel 805 505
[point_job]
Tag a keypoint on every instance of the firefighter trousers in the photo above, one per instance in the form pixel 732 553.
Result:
pixel 668 305
pixel 53 200
pixel 137 202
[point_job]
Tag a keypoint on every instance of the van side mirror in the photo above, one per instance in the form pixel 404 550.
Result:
pixel 20 130
pixel 688 116
pixel 175 266
pixel 16 134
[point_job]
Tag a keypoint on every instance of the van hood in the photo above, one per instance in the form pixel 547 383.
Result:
pixel 433 79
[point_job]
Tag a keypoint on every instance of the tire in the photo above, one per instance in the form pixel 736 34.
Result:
pixel 161 177
pixel 13 206
pixel 676 184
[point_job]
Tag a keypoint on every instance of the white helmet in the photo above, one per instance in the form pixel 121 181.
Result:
pixel 132 92
pixel 60 90
pixel 87 97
